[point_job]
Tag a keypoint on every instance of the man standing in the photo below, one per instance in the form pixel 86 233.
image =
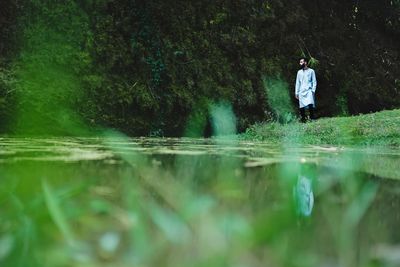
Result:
pixel 306 85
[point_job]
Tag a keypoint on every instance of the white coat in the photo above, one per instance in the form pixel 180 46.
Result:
pixel 306 85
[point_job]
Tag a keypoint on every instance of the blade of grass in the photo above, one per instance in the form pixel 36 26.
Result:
pixel 56 213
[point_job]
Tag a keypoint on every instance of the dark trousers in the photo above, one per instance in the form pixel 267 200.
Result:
pixel 310 110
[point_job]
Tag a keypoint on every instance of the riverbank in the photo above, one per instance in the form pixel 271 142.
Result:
pixel 381 128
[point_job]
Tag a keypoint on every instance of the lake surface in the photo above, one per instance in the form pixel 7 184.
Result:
pixel 119 201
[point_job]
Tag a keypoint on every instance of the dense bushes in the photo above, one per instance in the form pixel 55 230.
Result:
pixel 149 67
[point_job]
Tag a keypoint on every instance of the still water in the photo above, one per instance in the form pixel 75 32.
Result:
pixel 118 201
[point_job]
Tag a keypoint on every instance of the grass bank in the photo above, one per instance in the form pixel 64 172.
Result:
pixel 381 128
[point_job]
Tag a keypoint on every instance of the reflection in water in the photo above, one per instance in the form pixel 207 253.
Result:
pixel 303 195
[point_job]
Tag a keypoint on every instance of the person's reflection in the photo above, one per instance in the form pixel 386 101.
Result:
pixel 303 194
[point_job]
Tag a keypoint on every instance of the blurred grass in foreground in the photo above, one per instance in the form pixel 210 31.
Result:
pixel 48 69
pixel 190 203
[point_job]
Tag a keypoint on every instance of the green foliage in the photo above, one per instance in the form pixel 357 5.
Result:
pixel 47 86
pixel 142 66
pixel 8 48
pixel 223 119
pixel 373 129
pixel 7 96
pixel 277 94
pixel 196 124
pixel 122 201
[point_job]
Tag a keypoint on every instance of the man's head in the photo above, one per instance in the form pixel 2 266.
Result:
pixel 303 62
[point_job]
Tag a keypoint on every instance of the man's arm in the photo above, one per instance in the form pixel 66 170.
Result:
pixel 314 82
pixel 297 86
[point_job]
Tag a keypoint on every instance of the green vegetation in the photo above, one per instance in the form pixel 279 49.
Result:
pixel 151 67
pixel 48 88
pixel 118 201
pixel 381 128
pixel 79 78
